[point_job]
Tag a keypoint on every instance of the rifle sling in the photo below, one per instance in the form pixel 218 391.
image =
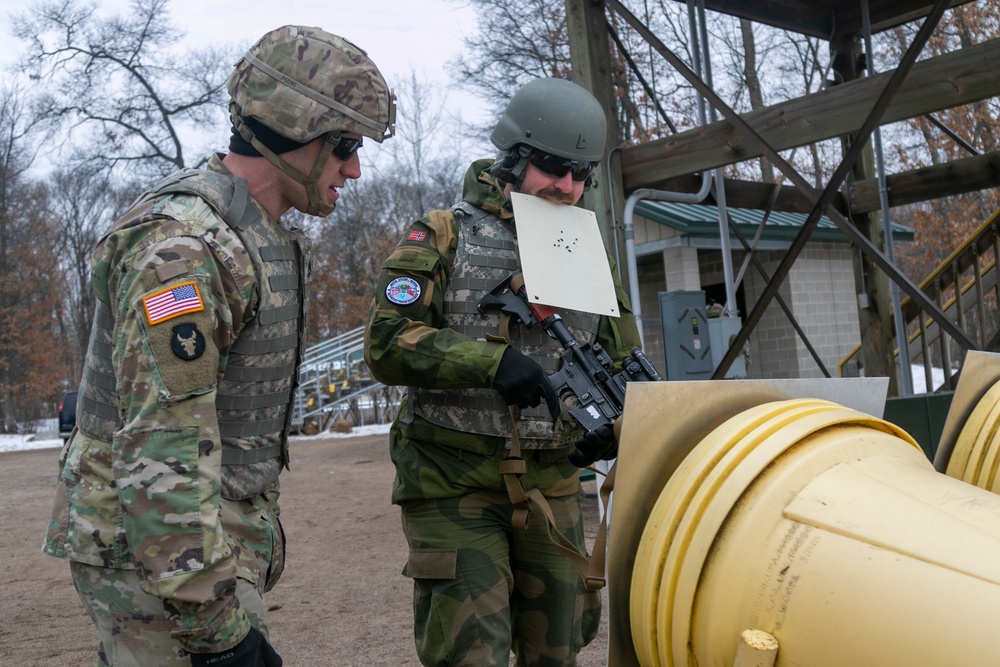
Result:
pixel 513 466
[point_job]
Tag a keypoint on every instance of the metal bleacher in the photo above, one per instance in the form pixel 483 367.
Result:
pixel 335 384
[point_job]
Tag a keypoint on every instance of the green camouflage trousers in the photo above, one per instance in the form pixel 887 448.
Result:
pixel 135 631
pixel 483 588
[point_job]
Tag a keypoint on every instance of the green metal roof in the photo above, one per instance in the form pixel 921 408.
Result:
pixel 702 221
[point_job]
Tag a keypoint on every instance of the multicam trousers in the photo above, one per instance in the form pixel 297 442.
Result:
pixel 483 588
pixel 134 630
pixel 133 626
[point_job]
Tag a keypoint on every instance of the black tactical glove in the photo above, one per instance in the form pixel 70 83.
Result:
pixel 253 651
pixel 522 382
pixel 596 445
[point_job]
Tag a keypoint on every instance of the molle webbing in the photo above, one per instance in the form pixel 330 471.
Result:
pixel 252 402
pixel 282 314
pixel 264 346
pixel 97 414
pixel 485 254
pixel 249 374
pixel 254 399
pixel 233 429
pixel 272 253
pixel 245 457
pixel 255 395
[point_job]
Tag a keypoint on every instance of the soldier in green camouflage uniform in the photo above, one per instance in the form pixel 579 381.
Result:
pixel 167 503
pixel 484 583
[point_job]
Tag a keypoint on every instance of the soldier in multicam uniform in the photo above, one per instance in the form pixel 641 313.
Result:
pixel 167 506
pixel 485 582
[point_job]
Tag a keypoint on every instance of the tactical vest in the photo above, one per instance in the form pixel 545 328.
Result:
pixel 485 255
pixel 254 399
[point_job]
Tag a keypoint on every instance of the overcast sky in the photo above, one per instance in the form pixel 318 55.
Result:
pixel 400 35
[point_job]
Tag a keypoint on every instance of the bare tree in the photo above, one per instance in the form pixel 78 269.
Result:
pixel 82 205
pixel 751 79
pixel 29 289
pixel 19 125
pixel 518 40
pixel 116 78
pixel 423 153
pixel 942 225
pixel 31 375
pixel 523 39
pixel 805 61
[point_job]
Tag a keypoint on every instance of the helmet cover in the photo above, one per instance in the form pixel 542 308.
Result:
pixel 304 82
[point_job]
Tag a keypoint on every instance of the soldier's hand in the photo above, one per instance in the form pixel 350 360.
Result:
pixel 253 651
pixel 597 445
pixel 522 382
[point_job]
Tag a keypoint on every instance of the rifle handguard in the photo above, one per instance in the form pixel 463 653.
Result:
pixel 585 370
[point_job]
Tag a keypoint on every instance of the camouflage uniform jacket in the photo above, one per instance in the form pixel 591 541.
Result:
pixel 412 344
pixel 178 288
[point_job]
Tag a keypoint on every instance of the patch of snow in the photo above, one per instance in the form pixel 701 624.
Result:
pixel 25 441
pixel 919 378
pixel 371 429
pixel 47 439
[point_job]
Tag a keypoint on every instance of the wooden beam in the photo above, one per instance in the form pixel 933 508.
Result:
pixel 808 18
pixel 960 77
pixel 825 19
pixel 590 55
pixel 907 187
pixel 942 180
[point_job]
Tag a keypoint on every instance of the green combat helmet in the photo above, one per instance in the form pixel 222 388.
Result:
pixel 554 116
pixel 305 83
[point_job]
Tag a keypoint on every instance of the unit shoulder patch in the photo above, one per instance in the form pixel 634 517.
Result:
pixel 403 291
pixel 188 342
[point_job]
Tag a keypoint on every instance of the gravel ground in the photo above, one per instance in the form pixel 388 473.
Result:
pixel 341 601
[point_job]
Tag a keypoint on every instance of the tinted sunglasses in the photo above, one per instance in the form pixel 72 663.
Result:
pixel 560 166
pixel 345 146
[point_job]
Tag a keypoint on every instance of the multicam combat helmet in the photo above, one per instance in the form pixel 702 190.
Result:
pixel 551 115
pixel 304 83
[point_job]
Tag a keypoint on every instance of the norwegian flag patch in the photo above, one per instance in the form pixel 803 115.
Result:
pixel 172 301
pixel 416 236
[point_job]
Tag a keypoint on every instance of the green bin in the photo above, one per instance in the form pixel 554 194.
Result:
pixel 922 416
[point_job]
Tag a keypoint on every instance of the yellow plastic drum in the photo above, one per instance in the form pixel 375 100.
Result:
pixel 977 450
pixel 826 528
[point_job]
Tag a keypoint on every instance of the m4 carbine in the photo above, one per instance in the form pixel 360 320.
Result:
pixel 585 369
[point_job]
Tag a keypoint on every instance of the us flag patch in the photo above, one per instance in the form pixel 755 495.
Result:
pixel 172 301
pixel 416 236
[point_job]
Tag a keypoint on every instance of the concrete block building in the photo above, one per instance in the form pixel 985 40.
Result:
pixel 678 248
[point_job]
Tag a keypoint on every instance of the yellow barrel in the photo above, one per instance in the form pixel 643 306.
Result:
pixel 976 455
pixel 827 529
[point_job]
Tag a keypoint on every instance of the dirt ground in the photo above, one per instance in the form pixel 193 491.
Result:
pixel 341 602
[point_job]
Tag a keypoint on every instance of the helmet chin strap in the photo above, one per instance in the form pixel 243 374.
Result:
pixel 509 166
pixel 316 205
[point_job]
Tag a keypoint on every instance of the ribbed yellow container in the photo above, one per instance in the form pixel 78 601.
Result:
pixel 826 528
pixel 976 455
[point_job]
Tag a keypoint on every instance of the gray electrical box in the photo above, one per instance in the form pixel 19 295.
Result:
pixel 722 330
pixel 686 340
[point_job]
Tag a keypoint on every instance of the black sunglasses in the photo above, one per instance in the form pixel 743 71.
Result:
pixel 345 146
pixel 560 166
